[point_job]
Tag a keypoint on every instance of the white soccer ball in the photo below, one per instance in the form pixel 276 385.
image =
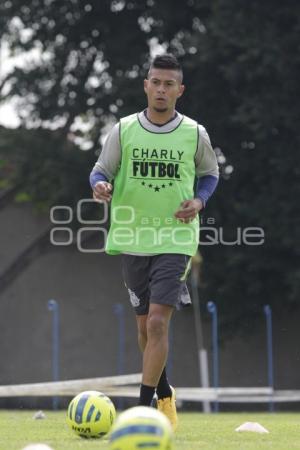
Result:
pixel 141 427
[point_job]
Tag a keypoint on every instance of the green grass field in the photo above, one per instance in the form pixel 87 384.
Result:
pixel 197 431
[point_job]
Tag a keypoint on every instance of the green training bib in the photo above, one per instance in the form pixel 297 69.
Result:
pixel 156 174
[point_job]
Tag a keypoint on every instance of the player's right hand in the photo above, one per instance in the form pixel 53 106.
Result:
pixel 102 191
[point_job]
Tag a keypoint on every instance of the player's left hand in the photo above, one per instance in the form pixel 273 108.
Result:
pixel 188 210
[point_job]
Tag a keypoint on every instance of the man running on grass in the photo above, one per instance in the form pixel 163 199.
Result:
pixel 153 157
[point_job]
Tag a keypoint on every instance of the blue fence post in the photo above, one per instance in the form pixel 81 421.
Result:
pixel 54 308
pixel 212 309
pixel 268 314
pixel 118 310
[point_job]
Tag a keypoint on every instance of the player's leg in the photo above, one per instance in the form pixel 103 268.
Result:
pixel 156 349
pixel 168 288
pixel 157 345
pixel 141 321
pixel 163 388
pixel 136 278
pixel 161 277
pixel 154 361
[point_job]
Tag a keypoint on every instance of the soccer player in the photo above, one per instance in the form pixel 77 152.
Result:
pixel 154 157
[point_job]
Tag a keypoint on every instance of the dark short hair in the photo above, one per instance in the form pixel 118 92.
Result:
pixel 166 61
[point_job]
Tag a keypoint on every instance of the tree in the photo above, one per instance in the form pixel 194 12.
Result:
pixel 44 168
pixel 250 58
pixel 81 66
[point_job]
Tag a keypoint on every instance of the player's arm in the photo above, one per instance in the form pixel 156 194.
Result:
pixel 107 166
pixel 207 171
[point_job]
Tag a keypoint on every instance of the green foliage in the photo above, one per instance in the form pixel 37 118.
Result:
pixel 22 197
pixel 83 67
pixel 254 54
pixel 46 168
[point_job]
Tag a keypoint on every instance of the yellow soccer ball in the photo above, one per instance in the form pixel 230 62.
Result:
pixel 91 414
pixel 141 428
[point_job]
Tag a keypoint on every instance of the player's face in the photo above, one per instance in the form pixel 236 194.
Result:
pixel 163 87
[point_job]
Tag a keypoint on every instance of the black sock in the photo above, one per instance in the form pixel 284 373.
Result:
pixel 163 389
pixel 146 395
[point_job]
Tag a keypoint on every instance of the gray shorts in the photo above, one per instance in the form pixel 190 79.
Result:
pixel 156 279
